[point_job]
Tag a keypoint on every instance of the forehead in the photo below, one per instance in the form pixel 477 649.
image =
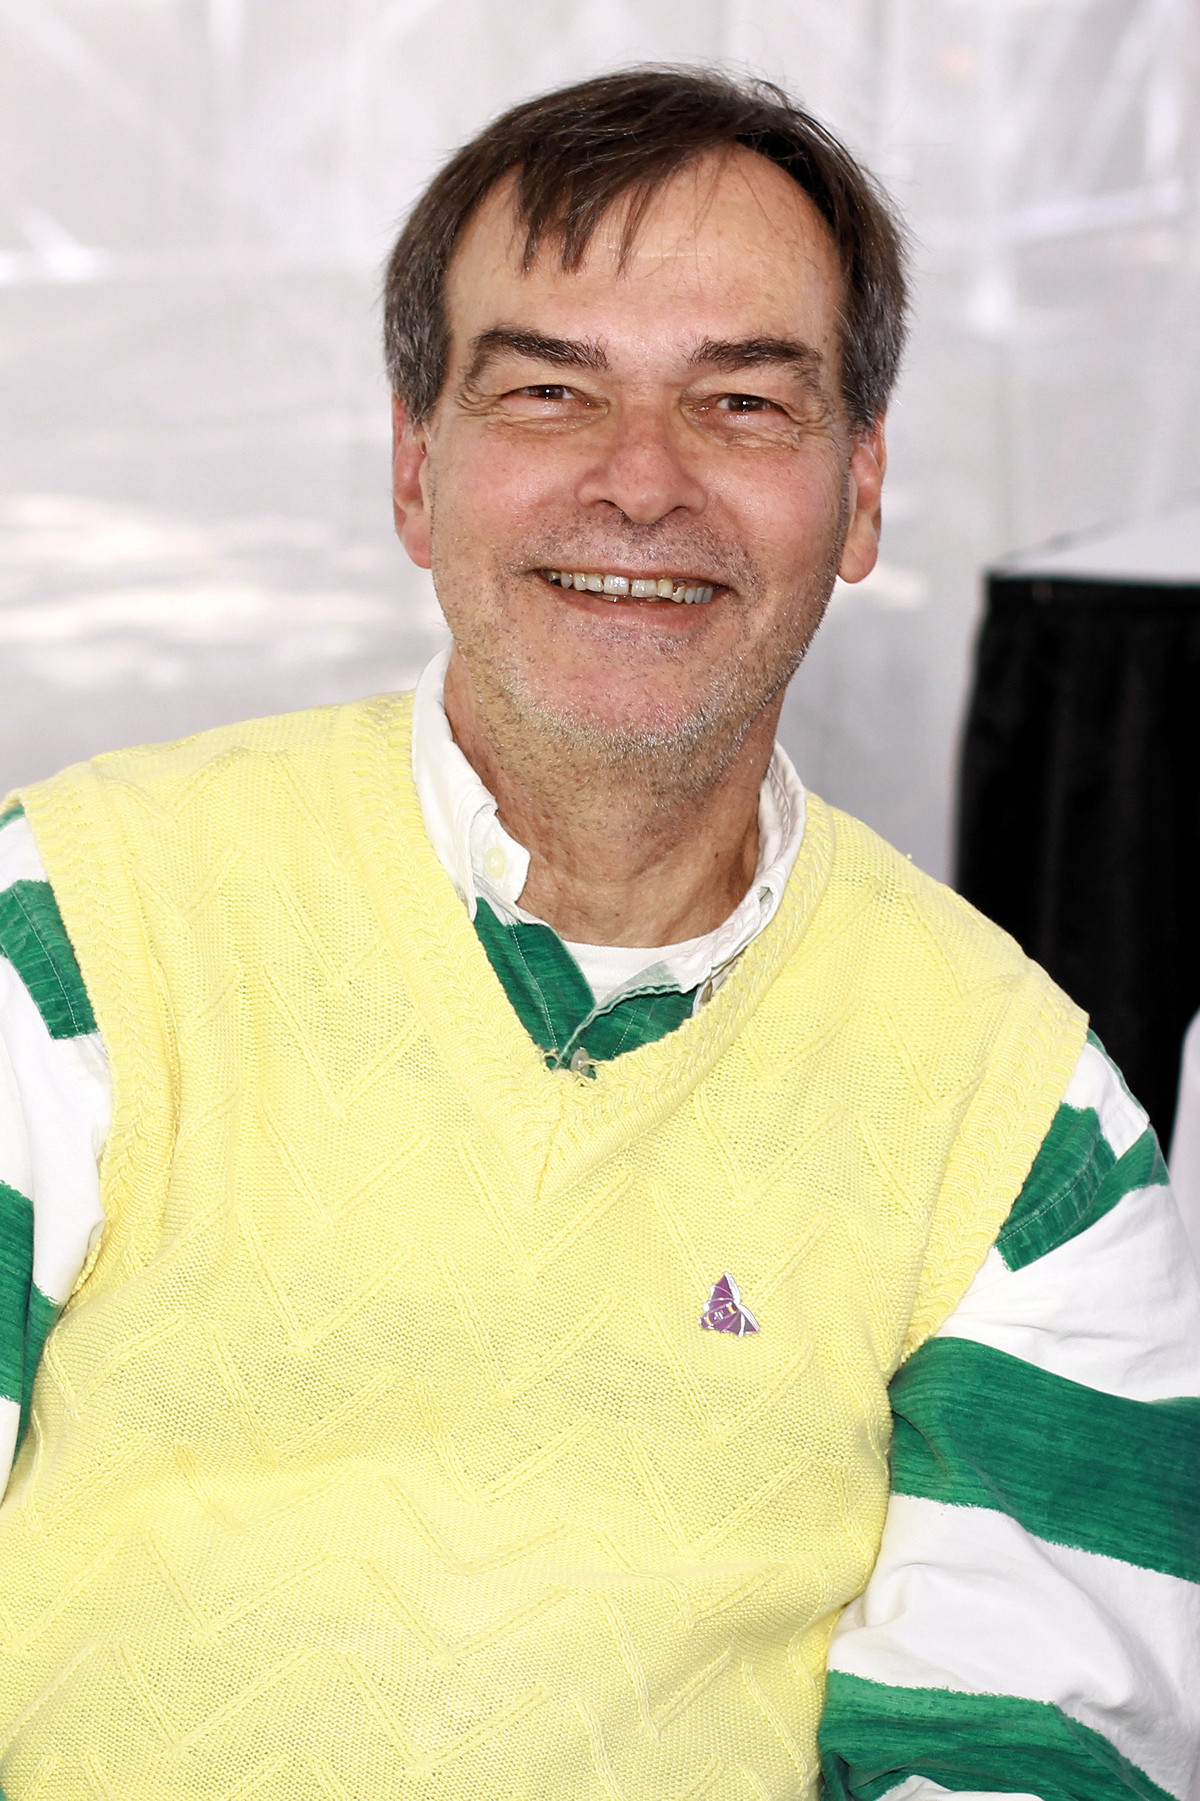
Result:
pixel 731 247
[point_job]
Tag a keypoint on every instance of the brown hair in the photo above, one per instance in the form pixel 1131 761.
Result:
pixel 578 150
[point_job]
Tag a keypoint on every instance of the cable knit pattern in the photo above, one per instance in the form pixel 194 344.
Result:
pixel 381 1452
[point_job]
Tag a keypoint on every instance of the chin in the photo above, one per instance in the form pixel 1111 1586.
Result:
pixel 623 728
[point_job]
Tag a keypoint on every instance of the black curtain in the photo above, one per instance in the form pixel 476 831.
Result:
pixel 1079 814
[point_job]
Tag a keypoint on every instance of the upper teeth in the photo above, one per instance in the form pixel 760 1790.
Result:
pixel 624 587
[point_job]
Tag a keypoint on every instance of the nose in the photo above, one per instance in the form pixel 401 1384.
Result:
pixel 640 468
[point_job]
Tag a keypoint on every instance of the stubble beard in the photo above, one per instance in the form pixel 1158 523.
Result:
pixel 671 759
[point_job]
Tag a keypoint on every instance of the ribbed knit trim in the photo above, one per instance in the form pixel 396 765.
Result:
pixel 99 906
pixel 1037 1048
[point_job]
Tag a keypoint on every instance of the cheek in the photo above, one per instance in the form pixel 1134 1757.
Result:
pixel 503 484
pixel 789 510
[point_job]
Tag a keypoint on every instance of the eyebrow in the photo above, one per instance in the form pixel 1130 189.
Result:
pixel 730 355
pixel 563 353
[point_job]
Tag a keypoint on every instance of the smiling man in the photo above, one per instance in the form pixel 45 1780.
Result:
pixel 605 1283
pixel 632 554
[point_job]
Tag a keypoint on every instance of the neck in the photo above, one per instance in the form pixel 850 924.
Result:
pixel 634 853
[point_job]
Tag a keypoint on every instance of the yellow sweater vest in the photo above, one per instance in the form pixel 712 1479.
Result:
pixel 380 1453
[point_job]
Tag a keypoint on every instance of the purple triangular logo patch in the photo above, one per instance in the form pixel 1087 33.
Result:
pixel 725 1312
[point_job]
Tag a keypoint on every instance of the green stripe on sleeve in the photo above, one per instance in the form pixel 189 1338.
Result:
pixel 873 1737
pixel 17 812
pixel 978 1428
pixel 16 1278
pixel 1075 1180
pixel 34 939
pixel 26 1314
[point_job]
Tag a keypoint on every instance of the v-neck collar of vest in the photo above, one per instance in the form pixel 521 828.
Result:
pixel 553 1126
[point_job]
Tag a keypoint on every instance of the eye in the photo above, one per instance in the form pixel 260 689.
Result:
pixel 546 391
pixel 746 403
pixel 549 404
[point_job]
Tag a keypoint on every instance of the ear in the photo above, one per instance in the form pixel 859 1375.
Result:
pixel 868 461
pixel 410 493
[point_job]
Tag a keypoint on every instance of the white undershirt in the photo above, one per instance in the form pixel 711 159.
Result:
pixel 485 863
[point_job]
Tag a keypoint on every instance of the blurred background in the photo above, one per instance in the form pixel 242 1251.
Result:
pixel 195 200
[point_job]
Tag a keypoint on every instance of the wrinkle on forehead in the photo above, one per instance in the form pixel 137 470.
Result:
pixel 674 219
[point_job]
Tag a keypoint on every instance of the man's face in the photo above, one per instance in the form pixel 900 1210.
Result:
pixel 675 420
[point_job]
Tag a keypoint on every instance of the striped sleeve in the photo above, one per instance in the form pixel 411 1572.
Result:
pixel 55 1101
pixel 1032 1625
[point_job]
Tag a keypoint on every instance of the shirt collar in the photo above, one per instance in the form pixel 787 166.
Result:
pixel 484 862
pixel 459 813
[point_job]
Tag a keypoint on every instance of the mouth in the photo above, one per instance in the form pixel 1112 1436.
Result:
pixel 683 590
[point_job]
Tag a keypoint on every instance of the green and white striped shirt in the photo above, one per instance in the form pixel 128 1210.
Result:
pixel 1032 1624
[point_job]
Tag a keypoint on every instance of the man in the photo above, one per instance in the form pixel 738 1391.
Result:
pixel 542 1132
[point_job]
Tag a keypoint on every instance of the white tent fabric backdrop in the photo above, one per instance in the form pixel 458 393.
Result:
pixel 194 515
